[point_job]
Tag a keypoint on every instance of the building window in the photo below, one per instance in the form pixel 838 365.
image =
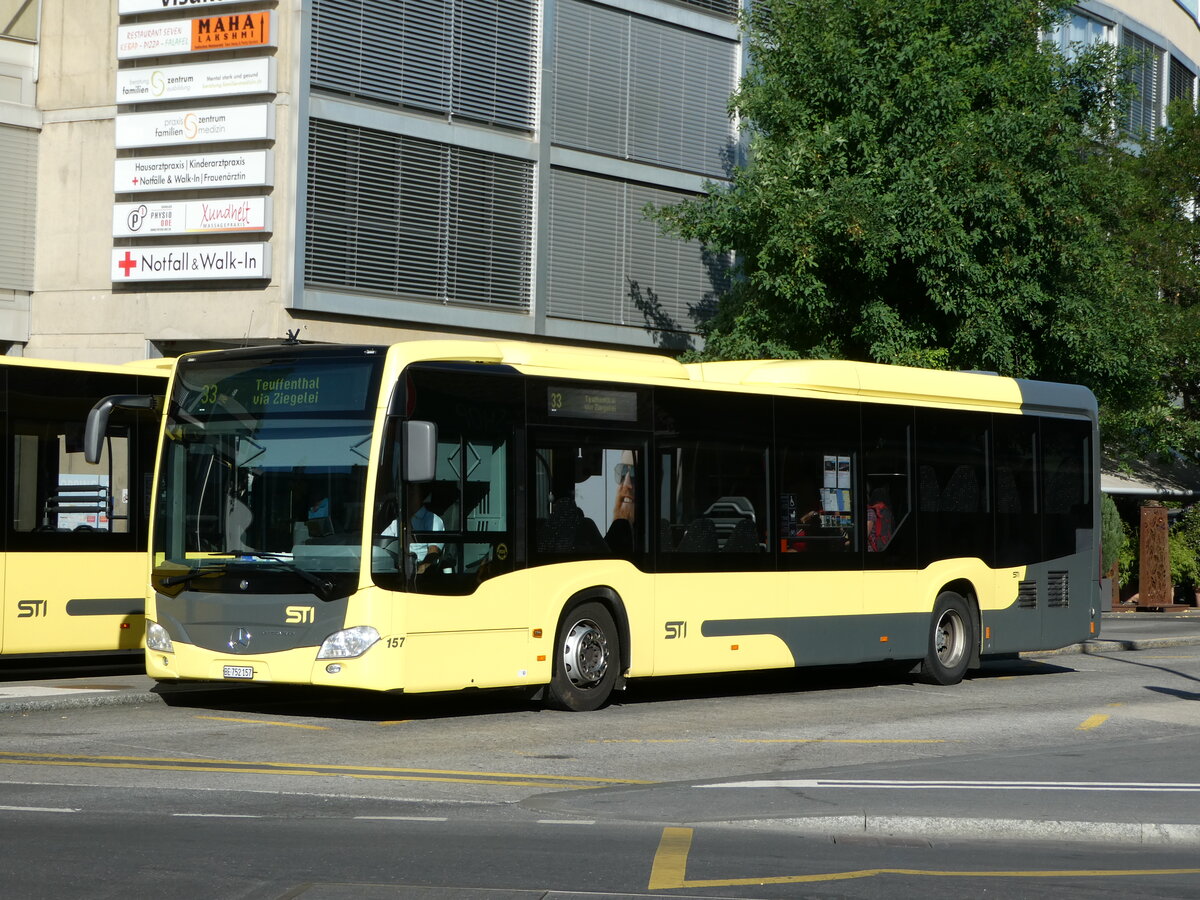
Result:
pixel 609 264
pixel 1078 32
pixel 1181 83
pixel 416 219
pixel 1145 109
pixel 19 19
pixel 474 59
pixel 643 90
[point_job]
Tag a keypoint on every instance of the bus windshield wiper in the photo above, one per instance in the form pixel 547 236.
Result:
pixel 321 587
pixel 196 572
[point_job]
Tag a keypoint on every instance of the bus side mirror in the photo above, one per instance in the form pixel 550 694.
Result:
pixel 419 450
pixel 97 420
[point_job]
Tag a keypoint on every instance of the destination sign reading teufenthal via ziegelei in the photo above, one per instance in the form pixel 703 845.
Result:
pixel 335 386
pixel 584 403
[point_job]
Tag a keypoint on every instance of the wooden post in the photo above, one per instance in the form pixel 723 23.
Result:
pixel 1154 574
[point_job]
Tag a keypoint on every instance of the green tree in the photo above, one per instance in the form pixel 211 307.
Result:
pixel 929 183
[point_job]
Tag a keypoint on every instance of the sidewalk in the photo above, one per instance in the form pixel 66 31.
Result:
pixel 28 686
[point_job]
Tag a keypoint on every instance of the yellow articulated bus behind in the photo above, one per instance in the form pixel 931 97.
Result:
pixel 73 566
pixel 443 515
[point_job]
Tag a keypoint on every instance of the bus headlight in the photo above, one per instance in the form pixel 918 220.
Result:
pixel 157 638
pixel 351 642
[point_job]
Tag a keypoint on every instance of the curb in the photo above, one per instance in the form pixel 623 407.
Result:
pixel 79 701
pixel 1138 833
pixel 1111 646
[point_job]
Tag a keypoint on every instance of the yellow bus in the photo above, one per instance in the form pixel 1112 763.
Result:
pixel 442 515
pixel 73 566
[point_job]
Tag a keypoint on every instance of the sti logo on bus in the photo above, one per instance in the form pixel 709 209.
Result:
pixel 676 630
pixel 299 615
pixel 31 609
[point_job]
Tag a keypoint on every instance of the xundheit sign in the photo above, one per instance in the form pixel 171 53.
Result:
pixel 191 262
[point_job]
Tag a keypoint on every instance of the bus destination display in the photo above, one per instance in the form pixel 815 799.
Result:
pixel 585 403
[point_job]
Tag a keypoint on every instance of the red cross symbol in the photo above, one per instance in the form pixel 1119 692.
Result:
pixel 127 264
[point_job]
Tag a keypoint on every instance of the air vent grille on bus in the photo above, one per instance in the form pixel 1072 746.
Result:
pixel 1058 592
pixel 1027 595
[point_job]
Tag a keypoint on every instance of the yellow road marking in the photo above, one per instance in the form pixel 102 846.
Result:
pixel 1093 722
pixel 265 722
pixel 771 741
pixel 669 870
pixel 511 779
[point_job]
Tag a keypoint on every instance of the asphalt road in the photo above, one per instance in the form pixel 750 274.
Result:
pixel 1066 775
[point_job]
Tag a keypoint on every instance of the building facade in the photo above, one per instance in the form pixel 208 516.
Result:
pixel 181 174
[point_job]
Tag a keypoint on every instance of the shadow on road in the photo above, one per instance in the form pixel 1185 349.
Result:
pixel 335 703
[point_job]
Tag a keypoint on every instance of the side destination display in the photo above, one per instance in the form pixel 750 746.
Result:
pixel 234 168
pixel 191 262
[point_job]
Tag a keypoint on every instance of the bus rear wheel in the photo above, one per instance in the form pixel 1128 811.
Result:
pixel 951 636
pixel 586 659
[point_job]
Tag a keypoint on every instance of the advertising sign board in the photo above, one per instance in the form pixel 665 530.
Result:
pixel 192 216
pixel 234 168
pixel 254 122
pixel 232 31
pixel 191 262
pixel 196 80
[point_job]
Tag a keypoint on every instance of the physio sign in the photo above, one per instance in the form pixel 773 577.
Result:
pixel 191 262
pixel 192 216
pixel 232 31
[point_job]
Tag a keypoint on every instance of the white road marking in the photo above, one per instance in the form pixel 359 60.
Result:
pixel 36 809
pixel 1111 786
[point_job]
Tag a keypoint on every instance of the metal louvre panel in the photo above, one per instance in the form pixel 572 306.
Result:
pixel 591 78
pixel 609 264
pixel 395 52
pixel 641 89
pixel 1144 108
pixel 586 248
pixel 18 187
pixel 494 61
pixel 671 275
pixel 680 87
pixel 417 219
pixel 721 7
pixel 469 58
pixel 489 230
pixel 1180 81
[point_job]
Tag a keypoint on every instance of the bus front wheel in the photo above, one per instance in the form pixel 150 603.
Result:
pixel 586 659
pixel 951 633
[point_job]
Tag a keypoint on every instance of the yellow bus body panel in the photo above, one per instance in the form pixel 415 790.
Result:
pixel 73 602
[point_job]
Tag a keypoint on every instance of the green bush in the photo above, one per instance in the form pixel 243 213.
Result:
pixel 1113 538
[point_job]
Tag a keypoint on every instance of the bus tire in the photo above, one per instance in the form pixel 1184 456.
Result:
pixel 951 637
pixel 586 659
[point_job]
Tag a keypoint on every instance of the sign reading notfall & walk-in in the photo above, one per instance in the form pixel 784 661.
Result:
pixel 231 31
pixel 191 262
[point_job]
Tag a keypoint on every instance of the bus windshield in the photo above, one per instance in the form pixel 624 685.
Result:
pixel 264 464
